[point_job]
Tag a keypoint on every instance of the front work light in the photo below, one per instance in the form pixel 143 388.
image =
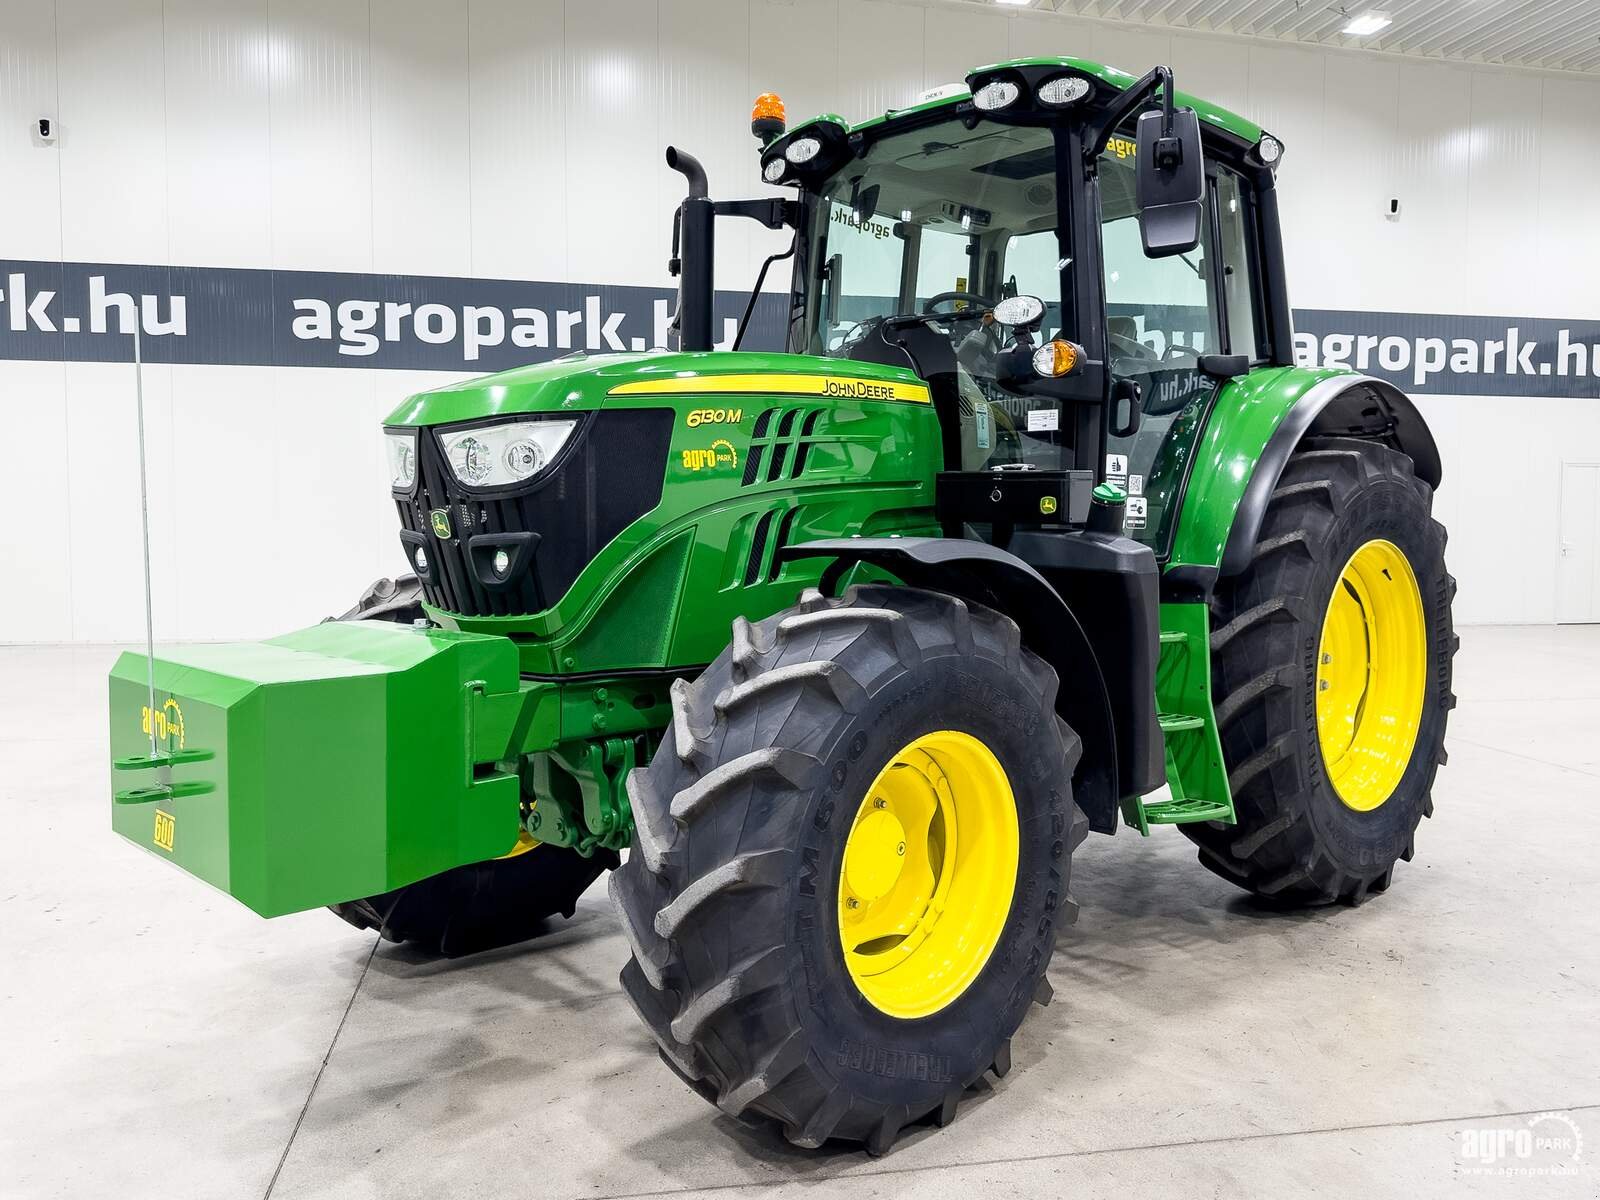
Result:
pixel 1066 89
pixel 402 447
pixel 485 456
pixel 802 150
pixel 1057 358
pixel 774 170
pixel 1269 149
pixel 995 95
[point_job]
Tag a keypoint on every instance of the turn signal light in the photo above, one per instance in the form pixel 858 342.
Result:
pixel 1057 358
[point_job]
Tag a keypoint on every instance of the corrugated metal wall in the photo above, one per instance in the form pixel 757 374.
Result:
pixel 517 138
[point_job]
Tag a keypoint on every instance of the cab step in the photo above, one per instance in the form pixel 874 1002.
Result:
pixel 1196 776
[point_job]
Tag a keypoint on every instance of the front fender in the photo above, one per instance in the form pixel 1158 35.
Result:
pixel 987 575
pixel 1255 425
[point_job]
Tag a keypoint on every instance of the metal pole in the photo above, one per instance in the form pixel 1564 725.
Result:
pixel 144 529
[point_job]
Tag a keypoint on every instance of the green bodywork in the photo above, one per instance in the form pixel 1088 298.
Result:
pixel 352 758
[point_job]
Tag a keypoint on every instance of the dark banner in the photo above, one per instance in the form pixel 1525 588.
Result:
pixel 85 312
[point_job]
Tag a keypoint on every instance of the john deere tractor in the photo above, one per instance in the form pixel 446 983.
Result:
pixel 1033 529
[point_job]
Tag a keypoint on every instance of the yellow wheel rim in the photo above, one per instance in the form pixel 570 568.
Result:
pixel 929 870
pixel 525 842
pixel 1371 673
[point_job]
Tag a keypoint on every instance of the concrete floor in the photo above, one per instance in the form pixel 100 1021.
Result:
pixel 159 1040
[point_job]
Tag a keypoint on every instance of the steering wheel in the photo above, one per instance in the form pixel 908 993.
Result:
pixel 980 304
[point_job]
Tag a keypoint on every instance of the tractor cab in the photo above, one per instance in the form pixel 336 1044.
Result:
pixel 1064 257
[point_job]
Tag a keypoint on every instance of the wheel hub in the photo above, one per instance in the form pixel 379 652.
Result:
pixel 1371 675
pixel 929 870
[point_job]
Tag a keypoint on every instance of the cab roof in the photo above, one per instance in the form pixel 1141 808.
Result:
pixel 1212 114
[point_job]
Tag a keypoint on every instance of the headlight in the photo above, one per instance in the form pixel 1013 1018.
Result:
pixel 995 95
pixel 402 447
pixel 486 456
pixel 774 170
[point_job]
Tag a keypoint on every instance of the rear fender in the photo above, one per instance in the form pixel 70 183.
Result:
pixel 1254 427
pixel 984 574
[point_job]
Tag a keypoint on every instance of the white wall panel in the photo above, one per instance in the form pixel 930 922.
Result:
pixel 1568 182
pixel 1213 68
pixel 231 549
pixel 111 73
pixel 523 139
pixel 1035 34
pixel 1356 148
pixel 31 170
pixel 880 57
pixel 518 136
pixel 421 163
pixel 325 443
pixel 36 553
pixel 954 40
pixel 1133 50
pixel 217 127
pixel 1432 175
pixel 321 145
pixel 1287 98
pixel 1503 208
pixel 102 467
pixel 614 146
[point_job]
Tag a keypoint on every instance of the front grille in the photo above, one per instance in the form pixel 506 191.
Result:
pixel 608 479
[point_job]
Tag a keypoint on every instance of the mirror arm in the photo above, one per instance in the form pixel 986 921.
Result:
pixel 1127 104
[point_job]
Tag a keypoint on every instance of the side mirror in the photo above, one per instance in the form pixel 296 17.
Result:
pixel 1170 183
pixel 833 272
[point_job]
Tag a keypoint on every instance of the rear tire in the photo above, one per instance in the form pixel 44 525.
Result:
pixel 478 906
pixel 1297 841
pixel 731 896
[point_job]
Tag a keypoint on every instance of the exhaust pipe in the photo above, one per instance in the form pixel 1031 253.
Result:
pixel 693 254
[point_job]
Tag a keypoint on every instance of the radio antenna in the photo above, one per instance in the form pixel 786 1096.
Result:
pixel 144 530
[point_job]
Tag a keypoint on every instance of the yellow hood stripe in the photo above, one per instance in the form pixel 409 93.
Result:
pixel 842 386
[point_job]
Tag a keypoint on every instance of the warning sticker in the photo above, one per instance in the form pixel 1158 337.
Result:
pixel 1044 420
pixel 1116 466
pixel 1135 485
pixel 1135 515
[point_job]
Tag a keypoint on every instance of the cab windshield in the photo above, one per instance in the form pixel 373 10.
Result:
pixel 944 221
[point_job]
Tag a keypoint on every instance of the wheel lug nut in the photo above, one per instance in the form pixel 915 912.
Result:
pixel 1326 659
pixel 880 803
pixel 1322 685
pixel 900 849
pixel 852 902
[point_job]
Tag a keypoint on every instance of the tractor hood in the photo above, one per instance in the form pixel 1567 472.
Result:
pixel 583 383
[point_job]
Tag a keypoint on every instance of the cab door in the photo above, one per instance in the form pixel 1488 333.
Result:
pixel 1162 316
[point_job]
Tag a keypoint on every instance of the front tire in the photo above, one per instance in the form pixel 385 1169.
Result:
pixel 761 891
pixel 476 906
pixel 1331 667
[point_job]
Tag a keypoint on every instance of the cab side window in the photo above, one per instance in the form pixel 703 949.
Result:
pixel 1240 302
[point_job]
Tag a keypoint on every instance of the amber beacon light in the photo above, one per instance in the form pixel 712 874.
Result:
pixel 767 118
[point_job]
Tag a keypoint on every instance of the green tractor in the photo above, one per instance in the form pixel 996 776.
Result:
pixel 1035 529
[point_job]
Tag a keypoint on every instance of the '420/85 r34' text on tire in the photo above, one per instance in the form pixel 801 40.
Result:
pixel 850 853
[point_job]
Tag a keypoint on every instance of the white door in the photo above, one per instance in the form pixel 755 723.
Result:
pixel 1578 572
